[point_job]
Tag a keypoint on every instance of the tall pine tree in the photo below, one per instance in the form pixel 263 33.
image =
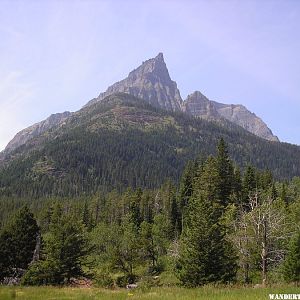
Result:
pixel 17 243
pixel 205 254
pixel 292 262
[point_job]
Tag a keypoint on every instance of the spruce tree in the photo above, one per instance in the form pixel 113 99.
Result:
pixel 291 269
pixel 17 242
pixel 205 254
pixel 186 184
pixel 147 245
pixel 5 257
pixel 67 248
pixel 225 183
pixel 185 191
pixel 127 256
pixel 64 253
pixel 155 240
pixel 249 183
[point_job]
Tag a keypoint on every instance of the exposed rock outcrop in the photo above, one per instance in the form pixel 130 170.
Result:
pixel 241 116
pixel 198 105
pixel 35 130
pixel 150 81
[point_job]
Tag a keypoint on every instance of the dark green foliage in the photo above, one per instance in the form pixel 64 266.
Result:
pixel 138 231
pixel 5 259
pixel 205 254
pixel 17 243
pixel 124 142
pixel 64 254
pixel 249 182
pixel 225 181
pixel 155 239
pixel 186 190
pixel 104 280
pixel 122 281
pixel 147 244
pixel 292 261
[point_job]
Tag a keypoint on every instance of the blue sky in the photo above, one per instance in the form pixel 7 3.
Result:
pixel 57 55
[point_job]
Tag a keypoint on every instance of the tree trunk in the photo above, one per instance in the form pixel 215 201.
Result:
pixel 264 254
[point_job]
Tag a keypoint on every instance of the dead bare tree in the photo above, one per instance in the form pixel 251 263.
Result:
pixel 261 228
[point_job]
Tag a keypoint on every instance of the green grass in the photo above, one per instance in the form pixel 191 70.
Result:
pixel 164 293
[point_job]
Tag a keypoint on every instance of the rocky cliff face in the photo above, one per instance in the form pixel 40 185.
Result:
pixel 241 116
pixel 150 81
pixel 35 130
pixel 198 105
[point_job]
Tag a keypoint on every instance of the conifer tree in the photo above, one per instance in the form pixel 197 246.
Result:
pixel 205 254
pixel 147 244
pixel 5 258
pixel 291 269
pixel 64 254
pixel 155 239
pixel 224 166
pixel 67 248
pixel 86 218
pixel 249 183
pixel 17 242
pixel 186 184
pixel 127 255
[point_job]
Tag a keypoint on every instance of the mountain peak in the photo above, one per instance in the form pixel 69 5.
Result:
pixel 159 57
pixel 197 104
pixel 154 69
pixel 151 82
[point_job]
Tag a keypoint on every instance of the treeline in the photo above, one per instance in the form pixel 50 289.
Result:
pixel 123 143
pixel 217 225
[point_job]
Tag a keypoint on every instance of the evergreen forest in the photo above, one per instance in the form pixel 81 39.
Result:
pixel 214 222
pixel 123 142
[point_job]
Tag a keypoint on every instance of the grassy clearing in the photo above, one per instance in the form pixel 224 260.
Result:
pixel 165 293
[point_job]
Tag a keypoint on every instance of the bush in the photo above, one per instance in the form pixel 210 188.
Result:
pixel 104 280
pixel 40 273
pixel 122 281
pixel 158 269
pixel 148 282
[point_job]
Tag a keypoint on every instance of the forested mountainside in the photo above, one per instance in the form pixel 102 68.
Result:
pixel 239 228
pixel 123 141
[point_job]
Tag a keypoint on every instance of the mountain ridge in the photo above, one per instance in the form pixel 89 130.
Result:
pixel 122 142
pixel 151 81
pixel 199 105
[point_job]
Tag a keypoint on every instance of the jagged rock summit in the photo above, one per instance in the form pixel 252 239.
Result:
pixel 150 81
pixel 198 105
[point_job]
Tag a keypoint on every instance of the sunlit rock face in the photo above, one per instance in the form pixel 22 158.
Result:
pixel 150 81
